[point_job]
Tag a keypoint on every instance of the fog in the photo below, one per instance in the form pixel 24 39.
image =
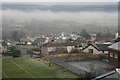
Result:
pixel 43 18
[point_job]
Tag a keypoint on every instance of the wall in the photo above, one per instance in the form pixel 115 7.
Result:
pixel 106 52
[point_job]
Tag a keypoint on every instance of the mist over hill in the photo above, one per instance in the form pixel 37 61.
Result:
pixel 44 18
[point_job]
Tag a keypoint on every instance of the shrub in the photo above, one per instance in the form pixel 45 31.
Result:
pixel 14 52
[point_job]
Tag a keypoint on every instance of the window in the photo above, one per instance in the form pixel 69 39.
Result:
pixel 111 54
pixel 115 56
pixel 90 50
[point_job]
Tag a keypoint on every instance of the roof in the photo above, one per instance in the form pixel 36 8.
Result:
pixel 61 44
pixel 115 46
pixel 39 40
pixel 25 39
pixel 99 47
pixel 52 36
pixel 60 40
pixel 103 47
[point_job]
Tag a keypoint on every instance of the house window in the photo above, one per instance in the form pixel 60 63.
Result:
pixel 115 56
pixel 90 50
pixel 111 54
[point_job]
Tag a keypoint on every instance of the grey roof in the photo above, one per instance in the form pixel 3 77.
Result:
pixel 100 47
pixel 60 41
pixel 40 40
pixel 61 44
pixel 103 47
pixel 52 36
pixel 115 46
pixel 24 39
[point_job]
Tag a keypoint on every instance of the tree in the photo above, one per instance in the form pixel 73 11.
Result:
pixel 99 36
pixel 4 43
pixel 85 34
pixel 17 35
pixel 108 36
pixel 14 52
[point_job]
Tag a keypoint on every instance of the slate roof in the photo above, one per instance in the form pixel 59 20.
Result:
pixel 99 47
pixel 60 41
pixel 61 44
pixel 39 40
pixel 115 46
pixel 25 39
pixel 103 47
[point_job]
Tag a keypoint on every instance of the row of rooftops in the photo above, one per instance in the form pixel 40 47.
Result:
pixel 62 44
pixel 100 47
pixel 105 47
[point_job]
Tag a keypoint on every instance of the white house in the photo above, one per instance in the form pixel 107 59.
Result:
pixel 96 48
pixel 1 49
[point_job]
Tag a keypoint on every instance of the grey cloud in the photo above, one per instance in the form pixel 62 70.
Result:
pixel 55 18
pixel 63 7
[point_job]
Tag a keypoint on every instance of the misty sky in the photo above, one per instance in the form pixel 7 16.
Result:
pixel 60 17
pixel 60 1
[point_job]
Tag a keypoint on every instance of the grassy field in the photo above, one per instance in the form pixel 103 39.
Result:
pixel 30 68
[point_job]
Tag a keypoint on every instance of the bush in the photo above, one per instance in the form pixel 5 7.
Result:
pixel 14 52
pixel 5 53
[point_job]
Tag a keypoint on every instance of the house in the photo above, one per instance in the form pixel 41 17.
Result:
pixel 96 48
pixel 60 41
pixel 1 49
pixel 39 41
pixel 114 53
pixel 62 36
pixel 116 35
pixel 117 39
pixel 26 40
pixel 59 48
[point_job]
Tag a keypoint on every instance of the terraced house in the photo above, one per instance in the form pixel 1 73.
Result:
pixel 58 48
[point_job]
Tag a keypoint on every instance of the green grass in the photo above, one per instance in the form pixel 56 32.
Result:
pixel 32 69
